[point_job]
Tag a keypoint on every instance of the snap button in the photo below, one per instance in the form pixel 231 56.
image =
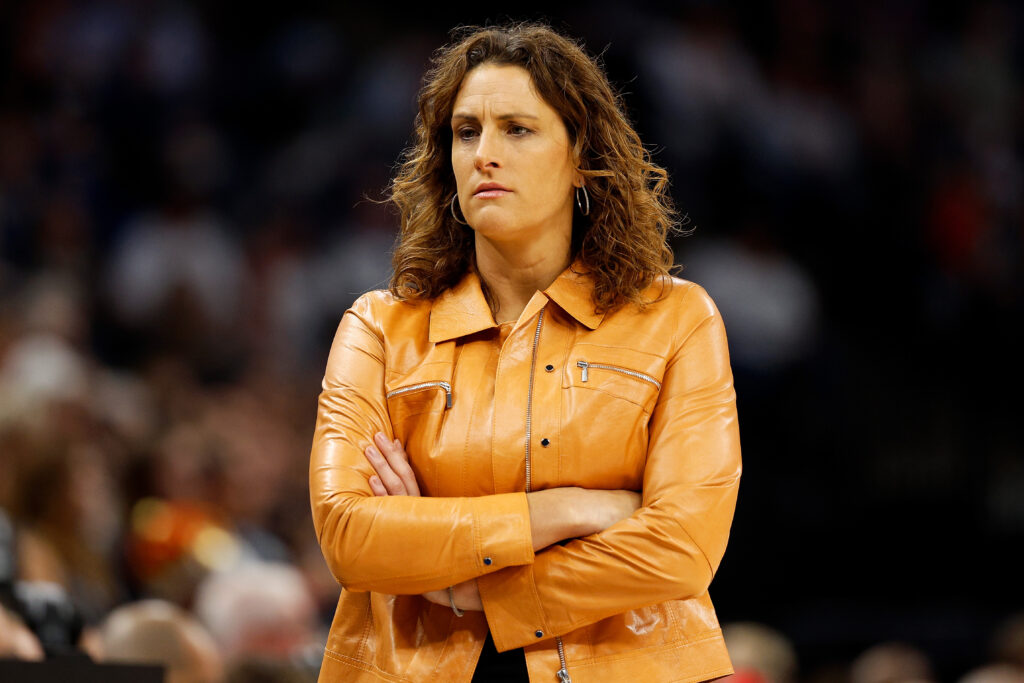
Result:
pixel 487 560
pixel 539 634
pixel 549 368
pixel 545 443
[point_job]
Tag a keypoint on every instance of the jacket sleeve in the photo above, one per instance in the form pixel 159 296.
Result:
pixel 394 544
pixel 671 547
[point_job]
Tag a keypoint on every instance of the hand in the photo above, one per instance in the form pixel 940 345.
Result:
pixel 394 476
pixel 467 596
pixel 571 512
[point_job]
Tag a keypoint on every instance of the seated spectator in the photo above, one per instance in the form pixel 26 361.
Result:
pixel 892 662
pixel 759 654
pixel 259 610
pixel 158 632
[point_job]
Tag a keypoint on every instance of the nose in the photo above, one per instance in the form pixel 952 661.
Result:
pixel 488 151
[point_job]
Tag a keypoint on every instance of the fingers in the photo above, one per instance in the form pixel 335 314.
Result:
pixel 394 475
pixel 390 482
pixel 377 486
pixel 467 596
pixel 437 597
pixel 399 462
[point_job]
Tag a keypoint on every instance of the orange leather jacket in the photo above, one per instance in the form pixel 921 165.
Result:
pixel 632 399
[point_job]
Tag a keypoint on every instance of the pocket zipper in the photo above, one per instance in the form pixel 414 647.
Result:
pixel 585 365
pixel 426 385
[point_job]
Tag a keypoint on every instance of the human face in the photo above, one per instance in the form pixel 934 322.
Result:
pixel 513 164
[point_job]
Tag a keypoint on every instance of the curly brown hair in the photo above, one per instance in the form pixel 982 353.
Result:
pixel 622 243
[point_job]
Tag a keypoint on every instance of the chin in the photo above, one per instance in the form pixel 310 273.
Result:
pixel 494 227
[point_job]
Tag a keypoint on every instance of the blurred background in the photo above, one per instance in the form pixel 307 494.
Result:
pixel 185 214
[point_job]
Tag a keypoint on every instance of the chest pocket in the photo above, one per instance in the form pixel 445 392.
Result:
pixel 427 389
pixel 419 401
pixel 413 398
pixel 627 374
pixel 608 396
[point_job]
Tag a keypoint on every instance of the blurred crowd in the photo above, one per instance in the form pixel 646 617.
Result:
pixel 189 202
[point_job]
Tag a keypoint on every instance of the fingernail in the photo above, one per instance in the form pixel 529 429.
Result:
pixel 372 452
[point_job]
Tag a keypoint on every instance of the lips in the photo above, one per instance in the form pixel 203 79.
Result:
pixel 484 190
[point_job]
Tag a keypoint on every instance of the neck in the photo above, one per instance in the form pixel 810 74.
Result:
pixel 513 274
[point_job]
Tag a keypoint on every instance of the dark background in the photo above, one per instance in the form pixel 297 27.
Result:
pixel 852 172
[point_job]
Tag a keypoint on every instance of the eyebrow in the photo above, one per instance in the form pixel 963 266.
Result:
pixel 463 116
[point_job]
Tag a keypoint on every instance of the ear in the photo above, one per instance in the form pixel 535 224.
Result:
pixel 577 178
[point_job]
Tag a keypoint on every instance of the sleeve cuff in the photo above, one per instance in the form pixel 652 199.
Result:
pixel 513 608
pixel 501 527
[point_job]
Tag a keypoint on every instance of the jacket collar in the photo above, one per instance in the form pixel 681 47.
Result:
pixel 463 310
pixel 572 290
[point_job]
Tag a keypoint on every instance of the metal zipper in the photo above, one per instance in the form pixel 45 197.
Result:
pixel 426 385
pixel 563 673
pixel 601 366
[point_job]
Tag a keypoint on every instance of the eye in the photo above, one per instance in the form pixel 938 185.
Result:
pixel 517 130
pixel 465 133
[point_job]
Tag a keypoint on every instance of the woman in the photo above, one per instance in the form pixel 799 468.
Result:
pixel 531 439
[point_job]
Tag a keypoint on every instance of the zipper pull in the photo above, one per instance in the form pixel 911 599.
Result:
pixel 585 365
pixel 563 676
pixel 447 395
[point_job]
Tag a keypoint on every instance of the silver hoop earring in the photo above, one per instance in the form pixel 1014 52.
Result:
pixel 585 204
pixel 451 205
